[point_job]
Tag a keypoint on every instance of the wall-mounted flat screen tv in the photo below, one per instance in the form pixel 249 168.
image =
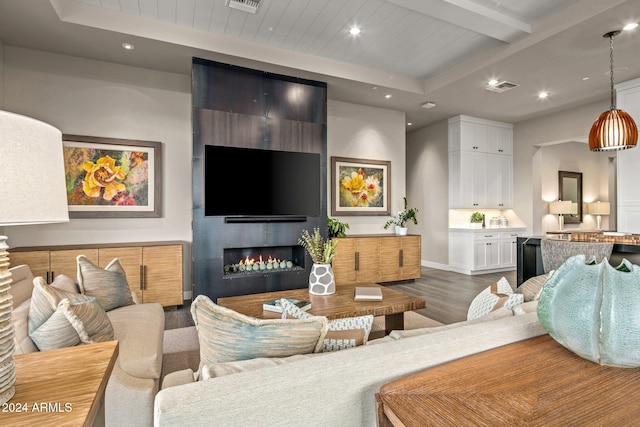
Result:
pixel 255 182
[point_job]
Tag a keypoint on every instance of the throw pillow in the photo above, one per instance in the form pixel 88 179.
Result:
pixel 65 283
pixel 532 287
pixel 498 295
pixel 228 368
pixel 226 335
pixel 342 333
pixel 60 319
pixel 108 285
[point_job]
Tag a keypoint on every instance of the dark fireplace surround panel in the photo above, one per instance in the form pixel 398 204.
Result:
pixel 239 107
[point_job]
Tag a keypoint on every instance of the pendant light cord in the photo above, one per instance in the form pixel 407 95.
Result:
pixel 613 102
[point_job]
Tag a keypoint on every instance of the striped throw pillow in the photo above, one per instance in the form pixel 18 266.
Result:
pixel 108 285
pixel 226 335
pixel 59 319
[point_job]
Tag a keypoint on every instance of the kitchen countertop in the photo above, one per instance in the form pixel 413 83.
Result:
pixel 485 229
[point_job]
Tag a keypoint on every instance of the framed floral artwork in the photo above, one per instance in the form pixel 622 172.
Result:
pixel 112 178
pixel 360 187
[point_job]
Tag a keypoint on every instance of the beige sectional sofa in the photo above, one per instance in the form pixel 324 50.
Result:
pixel 134 381
pixel 332 389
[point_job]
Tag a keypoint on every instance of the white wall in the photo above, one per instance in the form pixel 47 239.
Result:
pixel 574 157
pixel 363 132
pixel 94 98
pixel 85 97
pixel 529 139
pixel 428 189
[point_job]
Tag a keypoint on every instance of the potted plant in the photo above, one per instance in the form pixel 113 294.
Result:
pixel 336 228
pixel 477 220
pixel 321 251
pixel 401 219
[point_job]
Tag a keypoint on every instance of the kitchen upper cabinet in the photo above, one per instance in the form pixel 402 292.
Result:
pixel 480 163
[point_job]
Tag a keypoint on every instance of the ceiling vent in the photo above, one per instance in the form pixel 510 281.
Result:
pixel 249 6
pixel 501 86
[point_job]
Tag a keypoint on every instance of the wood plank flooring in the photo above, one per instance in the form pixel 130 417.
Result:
pixel 447 295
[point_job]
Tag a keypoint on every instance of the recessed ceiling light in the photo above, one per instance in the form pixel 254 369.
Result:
pixel 409 123
pixel 388 96
pixel 630 26
pixel 543 94
pixel 354 31
pixel 585 78
pixel 128 46
pixel 374 87
pixel 493 82
pixel 428 104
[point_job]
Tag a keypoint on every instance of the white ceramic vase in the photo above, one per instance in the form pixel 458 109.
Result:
pixel 321 280
pixel 401 231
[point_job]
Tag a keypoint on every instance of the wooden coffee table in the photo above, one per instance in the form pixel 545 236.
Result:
pixel 339 305
pixel 535 382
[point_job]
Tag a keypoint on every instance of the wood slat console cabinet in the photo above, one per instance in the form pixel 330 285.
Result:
pixel 376 258
pixel 153 269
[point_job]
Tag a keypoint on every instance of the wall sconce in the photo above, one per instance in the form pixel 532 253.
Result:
pixel 560 208
pixel 598 209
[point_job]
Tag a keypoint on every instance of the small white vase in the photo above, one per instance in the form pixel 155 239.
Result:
pixel 401 231
pixel 321 280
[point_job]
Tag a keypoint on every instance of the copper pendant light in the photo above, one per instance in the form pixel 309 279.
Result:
pixel 614 129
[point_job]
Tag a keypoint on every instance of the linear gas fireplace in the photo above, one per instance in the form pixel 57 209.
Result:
pixel 240 262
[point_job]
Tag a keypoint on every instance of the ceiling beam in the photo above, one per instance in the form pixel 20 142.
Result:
pixel 470 15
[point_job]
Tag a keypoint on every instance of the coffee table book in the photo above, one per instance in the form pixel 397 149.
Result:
pixel 274 305
pixel 368 293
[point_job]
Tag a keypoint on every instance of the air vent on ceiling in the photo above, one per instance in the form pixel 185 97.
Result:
pixel 249 6
pixel 501 86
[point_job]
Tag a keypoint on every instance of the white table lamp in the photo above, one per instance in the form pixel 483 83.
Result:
pixel 32 191
pixel 560 208
pixel 598 209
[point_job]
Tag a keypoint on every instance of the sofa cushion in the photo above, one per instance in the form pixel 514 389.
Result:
pixel 108 285
pixel 139 329
pixel 65 283
pixel 499 294
pixel 226 335
pixel 228 368
pixel 493 315
pixel 21 338
pixel 22 284
pixel 342 333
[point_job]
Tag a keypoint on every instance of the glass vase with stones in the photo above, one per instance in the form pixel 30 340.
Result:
pixel 321 280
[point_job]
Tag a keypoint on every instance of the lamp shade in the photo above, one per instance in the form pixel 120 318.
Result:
pixel 560 207
pixel 599 208
pixel 32 178
pixel 613 130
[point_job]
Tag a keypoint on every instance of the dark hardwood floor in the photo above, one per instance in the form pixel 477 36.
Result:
pixel 447 295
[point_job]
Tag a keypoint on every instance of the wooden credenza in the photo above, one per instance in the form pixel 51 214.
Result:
pixel 376 258
pixel 153 269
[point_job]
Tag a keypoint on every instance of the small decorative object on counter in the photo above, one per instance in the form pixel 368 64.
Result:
pixel 400 220
pixel 592 310
pixel 477 220
pixel 321 251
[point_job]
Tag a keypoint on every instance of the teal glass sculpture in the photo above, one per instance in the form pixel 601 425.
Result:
pixel 594 310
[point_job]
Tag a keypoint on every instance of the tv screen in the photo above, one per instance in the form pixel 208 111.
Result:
pixel 254 182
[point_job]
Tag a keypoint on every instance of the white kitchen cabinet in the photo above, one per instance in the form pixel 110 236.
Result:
pixel 480 163
pixel 479 251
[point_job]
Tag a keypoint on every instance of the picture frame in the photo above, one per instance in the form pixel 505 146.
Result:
pixel 112 178
pixel 360 187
